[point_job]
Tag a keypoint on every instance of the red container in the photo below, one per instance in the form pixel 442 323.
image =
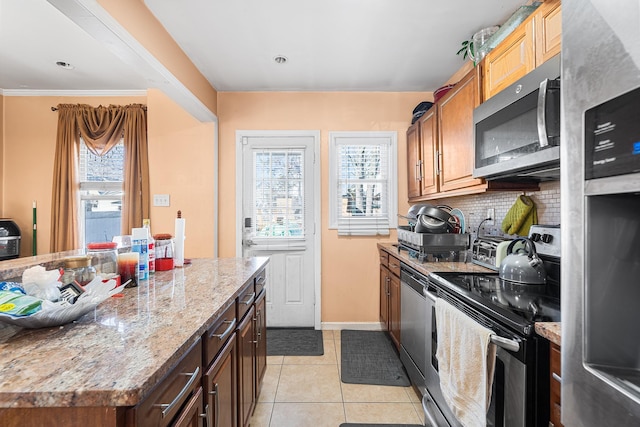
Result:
pixel 442 91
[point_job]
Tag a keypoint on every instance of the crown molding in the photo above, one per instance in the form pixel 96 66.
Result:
pixel 29 92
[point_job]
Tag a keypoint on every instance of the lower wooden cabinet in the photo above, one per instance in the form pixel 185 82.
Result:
pixel 246 368
pixel 220 385
pixel 390 296
pixel 261 340
pixel 193 413
pixel 555 385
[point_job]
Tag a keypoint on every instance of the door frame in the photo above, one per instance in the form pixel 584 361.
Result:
pixel 317 218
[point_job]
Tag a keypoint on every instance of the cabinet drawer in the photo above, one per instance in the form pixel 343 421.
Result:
pixel 394 265
pixel 555 368
pixel 166 400
pixel 260 281
pixel 245 300
pixel 384 258
pixel 217 335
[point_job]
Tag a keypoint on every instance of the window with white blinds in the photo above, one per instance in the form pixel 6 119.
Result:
pixel 363 182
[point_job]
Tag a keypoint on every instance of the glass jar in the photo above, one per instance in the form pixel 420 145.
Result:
pixel 78 270
pixel 164 252
pixel 104 258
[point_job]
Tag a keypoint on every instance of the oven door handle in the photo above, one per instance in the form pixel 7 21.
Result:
pixel 428 294
pixel 506 343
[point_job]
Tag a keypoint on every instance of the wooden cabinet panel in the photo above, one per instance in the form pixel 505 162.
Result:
pixel 164 403
pixel 193 413
pixel 455 124
pixel 384 296
pixel 220 387
pixel 260 281
pixel 394 309
pixel 555 385
pixel 394 265
pixel 217 335
pixel 548 22
pixel 511 59
pixel 413 160
pixel 261 340
pixel 246 368
pixel 429 144
pixel 245 300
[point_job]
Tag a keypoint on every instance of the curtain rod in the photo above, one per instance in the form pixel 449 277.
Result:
pixel 56 108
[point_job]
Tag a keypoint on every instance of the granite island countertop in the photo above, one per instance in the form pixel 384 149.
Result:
pixel 114 355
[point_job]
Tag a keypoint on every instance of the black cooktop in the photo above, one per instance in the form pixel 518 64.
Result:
pixel 520 305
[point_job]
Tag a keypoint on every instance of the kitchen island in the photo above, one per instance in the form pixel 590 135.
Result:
pixel 113 357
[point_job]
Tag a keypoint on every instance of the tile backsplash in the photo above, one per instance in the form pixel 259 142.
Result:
pixel 474 207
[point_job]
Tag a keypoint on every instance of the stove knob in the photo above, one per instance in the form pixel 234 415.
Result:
pixel 547 238
pixel 536 237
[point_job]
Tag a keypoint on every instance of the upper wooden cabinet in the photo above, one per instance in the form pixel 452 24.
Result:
pixel 413 160
pixel 533 42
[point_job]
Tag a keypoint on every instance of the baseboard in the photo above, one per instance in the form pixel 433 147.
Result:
pixel 362 326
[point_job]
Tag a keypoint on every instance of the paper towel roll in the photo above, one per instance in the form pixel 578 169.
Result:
pixel 179 242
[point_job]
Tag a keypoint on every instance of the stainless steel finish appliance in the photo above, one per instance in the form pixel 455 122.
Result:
pixel 9 239
pixel 413 325
pixel 484 251
pixel 517 131
pixel 520 395
pixel 600 187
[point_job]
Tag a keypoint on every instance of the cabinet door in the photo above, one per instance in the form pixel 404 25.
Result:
pixel 394 309
pixel 192 414
pixel 555 385
pixel 246 368
pixel 455 116
pixel 510 60
pixel 429 144
pixel 220 387
pixel 548 22
pixel 261 340
pixel 384 296
pixel 413 161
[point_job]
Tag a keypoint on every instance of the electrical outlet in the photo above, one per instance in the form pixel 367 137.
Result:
pixel 491 213
pixel 161 200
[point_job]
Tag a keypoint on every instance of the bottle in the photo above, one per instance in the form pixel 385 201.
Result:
pixel 139 243
pixel 146 223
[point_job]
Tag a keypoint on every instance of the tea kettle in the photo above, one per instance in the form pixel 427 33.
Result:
pixel 523 266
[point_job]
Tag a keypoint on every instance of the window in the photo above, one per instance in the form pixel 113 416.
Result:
pixel 278 192
pixel 363 182
pixel 101 191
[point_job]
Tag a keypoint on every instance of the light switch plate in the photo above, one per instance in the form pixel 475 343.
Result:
pixel 161 200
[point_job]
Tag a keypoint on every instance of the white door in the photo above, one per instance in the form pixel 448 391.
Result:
pixel 277 220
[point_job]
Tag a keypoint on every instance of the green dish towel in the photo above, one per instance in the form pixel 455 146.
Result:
pixel 521 217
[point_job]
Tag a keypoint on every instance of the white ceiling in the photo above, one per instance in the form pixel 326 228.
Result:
pixel 331 45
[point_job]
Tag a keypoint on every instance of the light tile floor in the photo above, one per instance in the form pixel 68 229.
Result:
pixel 306 391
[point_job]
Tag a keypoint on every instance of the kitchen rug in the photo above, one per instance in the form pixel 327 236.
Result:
pixel 294 342
pixel 369 357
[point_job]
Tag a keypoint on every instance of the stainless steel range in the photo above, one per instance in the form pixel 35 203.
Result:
pixel 520 395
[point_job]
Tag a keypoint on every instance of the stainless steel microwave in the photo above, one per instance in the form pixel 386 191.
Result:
pixel 517 131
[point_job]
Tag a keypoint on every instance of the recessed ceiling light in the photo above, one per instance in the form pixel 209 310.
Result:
pixel 65 65
pixel 280 59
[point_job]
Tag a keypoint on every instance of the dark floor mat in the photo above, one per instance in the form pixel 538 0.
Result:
pixel 294 342
pixel 369 357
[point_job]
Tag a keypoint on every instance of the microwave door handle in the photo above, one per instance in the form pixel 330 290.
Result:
pixel 542 114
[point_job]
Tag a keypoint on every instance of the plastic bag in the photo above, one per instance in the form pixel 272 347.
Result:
pixel 40 283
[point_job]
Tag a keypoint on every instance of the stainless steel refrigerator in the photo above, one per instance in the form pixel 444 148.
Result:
pixel 600 212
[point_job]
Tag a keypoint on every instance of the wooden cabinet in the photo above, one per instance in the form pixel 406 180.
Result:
pixel 533 42
pixel 246 368
pixel 390 295
pixel 261 339
pixel 192 415
pixel 413 160
pixel 555 385
pixel 220 388
pixel 174 398
pixel 455 134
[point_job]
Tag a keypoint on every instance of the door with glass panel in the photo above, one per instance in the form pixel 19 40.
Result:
pixel 278 221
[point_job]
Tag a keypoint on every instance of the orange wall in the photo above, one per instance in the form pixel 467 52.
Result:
pixel 176 143
pixel 147 30
pixel 1 151
pixel 350 272
pixel 181 159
